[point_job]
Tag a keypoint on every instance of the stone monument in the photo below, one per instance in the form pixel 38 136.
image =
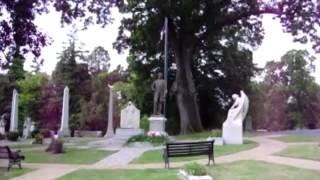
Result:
pixel 158 120
pixel 129 121
pixel 64 126
pixel 130 117
pixel 14 112
pixel 2 125
pixel 232 132
pixel 27 128
pixel 110 132
pixel 32 126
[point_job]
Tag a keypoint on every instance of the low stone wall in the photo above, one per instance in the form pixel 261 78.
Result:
pixel 79 133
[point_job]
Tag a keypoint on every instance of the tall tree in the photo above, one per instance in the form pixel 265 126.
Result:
pixel 30 94
pixel 98 60
pixel 19 35
pixel 288 96
pixel 199 30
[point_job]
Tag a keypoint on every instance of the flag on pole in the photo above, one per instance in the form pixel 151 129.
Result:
pixel 162 32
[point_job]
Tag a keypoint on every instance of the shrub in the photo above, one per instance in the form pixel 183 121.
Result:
pixel 34 133
pixel 13 136
pixel 46 133
pixel 144 123
pixel 216 132
pixel 38 139
pixel 195 169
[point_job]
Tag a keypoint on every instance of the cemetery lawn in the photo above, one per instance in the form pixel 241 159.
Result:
pixel 252 170
pixel 240 170
pixel 305 151
pixel 14 172
pixel 292 139
pixel 147 174
pixel 194 136
pixel 24 146
pixel 155 156
pixel 71 156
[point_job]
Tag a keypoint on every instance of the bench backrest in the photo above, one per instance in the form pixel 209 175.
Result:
pixel 5 152
pixel 189 148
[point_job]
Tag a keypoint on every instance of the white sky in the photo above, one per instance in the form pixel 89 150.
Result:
pixel 275 44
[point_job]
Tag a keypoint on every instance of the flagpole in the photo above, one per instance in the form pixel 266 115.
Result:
pixel 165 57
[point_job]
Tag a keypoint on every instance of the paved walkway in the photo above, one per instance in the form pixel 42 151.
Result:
pixel 264 152
pixel 122 157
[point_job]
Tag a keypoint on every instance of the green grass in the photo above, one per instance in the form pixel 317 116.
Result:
pixel 240 170
pixel 253 170
pixel 307 151
pixel 24 146
pixel 291 139
pixel 155 156
pixel 14 172
pixel 146 174
pixel 71 156
pixel 194 136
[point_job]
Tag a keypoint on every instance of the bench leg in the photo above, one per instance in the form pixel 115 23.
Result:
pixel 9 166
pixel 19 164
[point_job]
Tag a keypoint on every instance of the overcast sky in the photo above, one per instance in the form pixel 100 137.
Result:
pixel 275 44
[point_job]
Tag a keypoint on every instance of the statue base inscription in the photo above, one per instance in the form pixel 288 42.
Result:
pixel 157 124
pixel 232 133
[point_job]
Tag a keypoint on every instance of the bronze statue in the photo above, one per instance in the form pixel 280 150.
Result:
pixel 159 87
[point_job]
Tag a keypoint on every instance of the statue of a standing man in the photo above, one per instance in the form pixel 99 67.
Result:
pixel 159 87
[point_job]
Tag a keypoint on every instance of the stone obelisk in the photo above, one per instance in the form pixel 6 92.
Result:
pixel 110 132
pixel 14 112
pixel 64 126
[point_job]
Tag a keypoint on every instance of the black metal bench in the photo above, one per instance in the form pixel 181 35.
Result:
pixel 183 149
pixel 13 157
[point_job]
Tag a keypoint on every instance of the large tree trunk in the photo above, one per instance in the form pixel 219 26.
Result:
pixel 186 93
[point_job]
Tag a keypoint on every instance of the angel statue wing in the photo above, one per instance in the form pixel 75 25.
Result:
pixel 245 104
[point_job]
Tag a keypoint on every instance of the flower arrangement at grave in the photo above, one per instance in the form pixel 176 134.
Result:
pixel 194 171
pixel 156 134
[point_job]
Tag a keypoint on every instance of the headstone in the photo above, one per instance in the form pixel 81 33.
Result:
pixel 27 128
pixel 232 132
pixel 14 112
pixel 64 126
pixel 130 117
pixel 129 122
pixel 32 126
pixel 110 132
pixel 2 125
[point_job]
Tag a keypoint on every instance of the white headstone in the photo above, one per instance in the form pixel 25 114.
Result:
pixel 32 127
pixel 110 131
pixel 14 112
pixel 64 127
pixel 2 126
pixel 27 128
pixel 130 117
pixel 232 132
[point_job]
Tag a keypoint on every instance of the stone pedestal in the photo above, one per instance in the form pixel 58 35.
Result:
pixel 232 133
pixel 64 132
pixel 157 124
